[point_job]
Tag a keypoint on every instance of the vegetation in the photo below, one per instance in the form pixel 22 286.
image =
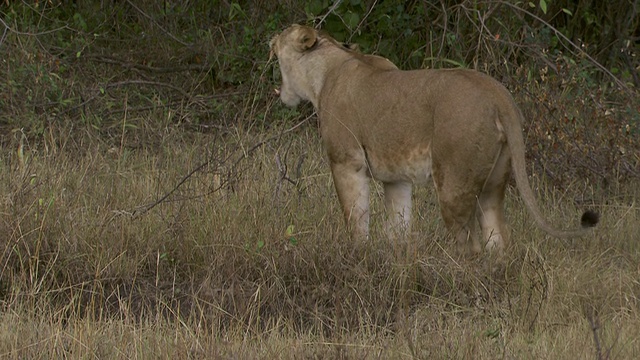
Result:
pixel 157 201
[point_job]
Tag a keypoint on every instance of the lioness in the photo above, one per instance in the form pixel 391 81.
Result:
pixel 401 127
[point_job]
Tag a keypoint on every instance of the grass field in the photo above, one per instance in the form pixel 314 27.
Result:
pixel 248 258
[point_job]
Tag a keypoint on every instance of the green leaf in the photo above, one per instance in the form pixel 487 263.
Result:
pixel 290 229
pixel 352 20
pixel 567 11
pixel 235 11
pixel 543 6
pixel 492 333
pixel 289 234
pixel 315 7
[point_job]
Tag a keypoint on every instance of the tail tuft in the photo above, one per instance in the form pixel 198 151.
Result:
pixel 589 219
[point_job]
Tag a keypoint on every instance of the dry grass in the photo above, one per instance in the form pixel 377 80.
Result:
pixel 211 272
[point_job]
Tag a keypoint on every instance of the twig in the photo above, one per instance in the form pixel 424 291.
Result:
pixel 594 329
pixel 97 92
pixel 172 102
pixel 148 82
pixel 158 25
pixel 329 12
pixel 353 31
pixel 9 28
pixel 145 208
pixel 160 70
pixel 4 34
pixel 576 48
pixel 124 124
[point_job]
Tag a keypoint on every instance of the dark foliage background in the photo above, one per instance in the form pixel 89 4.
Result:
pixel 572 65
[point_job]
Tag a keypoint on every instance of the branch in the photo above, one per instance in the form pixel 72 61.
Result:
pixel 331 10
pixel 158 25
pixel 161 70
pixel 9 28
pixel 145 208
pixel 148 82
pixel 97 92
pixel 593 323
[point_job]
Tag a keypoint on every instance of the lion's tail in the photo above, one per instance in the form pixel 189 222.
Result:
pixel 511 124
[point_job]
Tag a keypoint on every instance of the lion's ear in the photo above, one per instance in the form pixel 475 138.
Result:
pixel 306 38
pixel 353 47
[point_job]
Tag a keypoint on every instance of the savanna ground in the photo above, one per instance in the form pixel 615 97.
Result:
pixel 157 201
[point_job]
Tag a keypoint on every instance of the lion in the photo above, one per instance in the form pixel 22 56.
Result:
pixel 458 127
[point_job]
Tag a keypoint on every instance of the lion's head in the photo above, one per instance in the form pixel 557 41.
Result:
pixel 290 47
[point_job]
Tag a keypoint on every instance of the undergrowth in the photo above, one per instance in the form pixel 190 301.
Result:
pixel 241 255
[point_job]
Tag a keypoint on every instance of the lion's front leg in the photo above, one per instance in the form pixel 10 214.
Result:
pixel 352 185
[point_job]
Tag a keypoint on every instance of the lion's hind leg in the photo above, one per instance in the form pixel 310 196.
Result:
pixel 490 210
pixel 459 212
pixel 491 218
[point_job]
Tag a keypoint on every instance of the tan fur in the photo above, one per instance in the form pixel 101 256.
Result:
pixel 459 127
